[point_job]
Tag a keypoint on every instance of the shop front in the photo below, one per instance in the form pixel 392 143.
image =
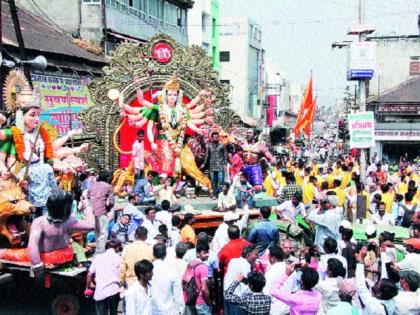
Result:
pixel 393 144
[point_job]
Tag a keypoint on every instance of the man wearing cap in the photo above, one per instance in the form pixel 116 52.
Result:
pixel 346 291
pixel 408 300
pixel 411 261
pixel 221 237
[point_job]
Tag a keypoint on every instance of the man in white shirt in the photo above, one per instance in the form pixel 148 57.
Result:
pixel 382 218
pixel 166 285
pixel 330 249
pixel 151 224
pixel 165 191
pixel 272 276
pixel 221 237
pixel 241 265
pixel 138 155
pixel 408 300
pixel 289 209
pixel 226 200
pixel 411 261
pixel 163 215
pixel 136 217
pixel 139 295
pixel 382 303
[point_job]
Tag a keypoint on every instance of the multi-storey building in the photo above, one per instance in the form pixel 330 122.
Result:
pixel 203 28
pixel 242 66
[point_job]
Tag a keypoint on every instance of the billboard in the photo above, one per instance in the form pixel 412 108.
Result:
pixel 361 129
pixel 361 60
pixel 62 98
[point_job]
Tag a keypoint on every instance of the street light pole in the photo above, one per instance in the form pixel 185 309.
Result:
pixel 362 92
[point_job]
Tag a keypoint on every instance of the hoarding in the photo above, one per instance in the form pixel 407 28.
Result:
pixel 361 129
pixel 361 60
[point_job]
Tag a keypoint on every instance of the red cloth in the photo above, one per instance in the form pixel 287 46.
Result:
pixel 231 250
pixel 236 165
pixel 56 257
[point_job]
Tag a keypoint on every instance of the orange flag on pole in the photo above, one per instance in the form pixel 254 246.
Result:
pixel 305 109
pixel 308 127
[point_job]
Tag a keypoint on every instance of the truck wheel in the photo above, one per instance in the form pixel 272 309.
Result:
pixel 65 304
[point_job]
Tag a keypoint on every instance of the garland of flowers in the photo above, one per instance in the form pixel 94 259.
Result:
pixel 49 151
pixel 19 142
pixel 175 145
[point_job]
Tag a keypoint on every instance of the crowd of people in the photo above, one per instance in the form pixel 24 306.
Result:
pixel 298 257
pixel 332 243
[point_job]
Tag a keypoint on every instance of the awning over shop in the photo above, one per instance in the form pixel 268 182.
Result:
pixel 124 37
pixel 250 121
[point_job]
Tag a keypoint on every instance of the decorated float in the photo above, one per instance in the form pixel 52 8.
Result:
pixel 169 91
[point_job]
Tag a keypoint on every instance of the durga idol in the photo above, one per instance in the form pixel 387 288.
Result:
pixel 167 124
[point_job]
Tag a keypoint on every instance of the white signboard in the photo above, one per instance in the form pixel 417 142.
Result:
pixel 397 135
pixel 361 60
pixel 361 128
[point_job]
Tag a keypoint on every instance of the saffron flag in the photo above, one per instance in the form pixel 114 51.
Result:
pixel 307 128
pixel 305 109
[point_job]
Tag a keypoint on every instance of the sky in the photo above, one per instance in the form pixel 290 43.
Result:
pixel 297 34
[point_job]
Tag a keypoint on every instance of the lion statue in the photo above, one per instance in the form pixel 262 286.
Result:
pixel 14 212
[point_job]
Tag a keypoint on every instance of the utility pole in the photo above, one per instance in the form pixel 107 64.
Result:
pixel 362 92
pixel 19 38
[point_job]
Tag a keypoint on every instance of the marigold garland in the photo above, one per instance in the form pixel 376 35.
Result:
pixel 19 142
pixel 49 151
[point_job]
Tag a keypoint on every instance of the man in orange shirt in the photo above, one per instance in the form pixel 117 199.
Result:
pixel 187 232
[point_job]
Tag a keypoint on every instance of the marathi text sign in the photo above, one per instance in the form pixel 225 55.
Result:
pixel 361 128
pixel 399 108
pixel 62 98
pixel 397 135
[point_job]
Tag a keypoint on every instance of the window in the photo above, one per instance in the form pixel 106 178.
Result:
pixel 130 3
pixel 171 14
pixel 153 8
pixel 225 82
pixel 179 17
pixel 139 5
pixel 213 28
pixel 224 56
pixel 203 22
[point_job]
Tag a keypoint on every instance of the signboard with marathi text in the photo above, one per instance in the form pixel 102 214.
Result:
pixel 62 98
pixel 361 128
pixel 398 109
pixel 397 135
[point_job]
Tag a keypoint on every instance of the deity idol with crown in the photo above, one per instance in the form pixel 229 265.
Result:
pixel 167 124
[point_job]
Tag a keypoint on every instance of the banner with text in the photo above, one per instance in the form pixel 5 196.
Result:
pixel 361 129
pixel 62 98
